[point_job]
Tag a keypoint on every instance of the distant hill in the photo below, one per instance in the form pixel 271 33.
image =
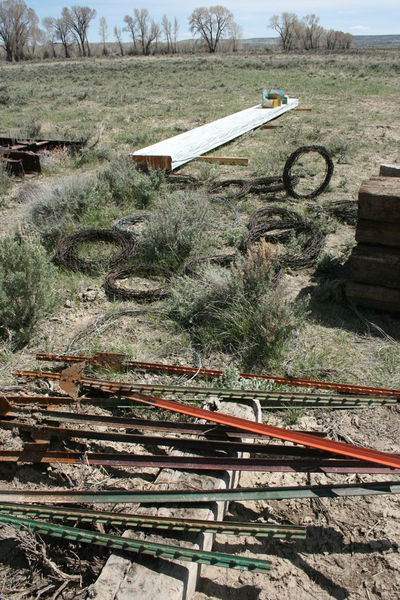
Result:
pixel 360 41
pixel 259 42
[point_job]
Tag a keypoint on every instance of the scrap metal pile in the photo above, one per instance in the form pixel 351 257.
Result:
pixel 22 157
pixel 213 445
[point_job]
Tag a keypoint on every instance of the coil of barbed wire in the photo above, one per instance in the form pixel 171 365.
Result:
pixel 66 253
pixel 280 225
pixel 123 223
pixel 114 290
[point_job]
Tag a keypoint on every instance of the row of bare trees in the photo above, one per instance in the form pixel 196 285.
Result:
pixel 18 27
pixel 307 33
pixel 71 27
pixel 145 32
pixel 20 33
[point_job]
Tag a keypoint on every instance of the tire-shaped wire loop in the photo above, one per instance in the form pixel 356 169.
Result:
pixel 113 290
pixel 66 252
pixel 280 229
pixel 224 260
pixel 122 223
pixel 288 178
pixel 260 185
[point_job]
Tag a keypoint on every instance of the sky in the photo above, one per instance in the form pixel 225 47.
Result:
pixel 359 17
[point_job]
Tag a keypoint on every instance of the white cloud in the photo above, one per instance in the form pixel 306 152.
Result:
pixel 359 27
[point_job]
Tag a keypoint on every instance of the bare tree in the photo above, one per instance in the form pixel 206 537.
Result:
pixel 167 31
pixel 156 30
pixel 118 37
pixel 36 35
pixel 211 23
pixel 307 34
pixel 347 41
pixel 313 32
pixel 331 39
pixel 49 25
pixel 103 33
pixel 131 27
pixel 78 20
pixel 148 31
pixel 175 35
pixel 63 34
pixel 338 40
pixel 235 34
pixel 287 27
pixel 17 22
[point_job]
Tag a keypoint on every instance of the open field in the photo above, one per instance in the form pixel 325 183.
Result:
pixel 121 105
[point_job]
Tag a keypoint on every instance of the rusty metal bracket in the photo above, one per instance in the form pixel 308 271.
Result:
pixel 5 406
pixel 70 378
pixel 109 359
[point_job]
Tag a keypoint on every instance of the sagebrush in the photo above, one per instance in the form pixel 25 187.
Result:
pixel 27 287
pixel 54 207
pixel 240 310
pixel 121 182
pixel 173 231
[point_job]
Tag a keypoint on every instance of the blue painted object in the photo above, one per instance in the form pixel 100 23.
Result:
pixel 281 93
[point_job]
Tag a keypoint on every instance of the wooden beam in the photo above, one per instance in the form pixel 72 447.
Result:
pixel 373 296
pixel 187 146
pixel 224 160
pixel 303 109
pixel 379 200
pixel 390 170
pixel 153 161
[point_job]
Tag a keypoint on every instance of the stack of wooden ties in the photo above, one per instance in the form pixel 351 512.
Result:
pixel 374 276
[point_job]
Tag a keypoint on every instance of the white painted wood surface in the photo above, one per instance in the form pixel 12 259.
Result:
pixel 187 146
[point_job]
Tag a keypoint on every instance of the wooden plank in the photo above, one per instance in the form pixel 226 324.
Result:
pixel 187 146
pixel 376 232
pixel 224 160
pixel 303 109
pixel 379 199
pixel 389 170
pixel 154 162
pixel 373 296
pixel 375 265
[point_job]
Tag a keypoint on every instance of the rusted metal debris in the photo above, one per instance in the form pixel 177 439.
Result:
pixel 334 447
pixel 43 432
pixel 21 156
pixel 111 359
pixel 209 431
pixel 39 453
pixel 20 162
pixel 269 399
pixel 69 377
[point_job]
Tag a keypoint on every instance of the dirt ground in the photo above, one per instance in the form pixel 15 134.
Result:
pixel 352 545
pixel 351 550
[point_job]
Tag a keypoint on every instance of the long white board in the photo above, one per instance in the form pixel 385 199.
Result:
pixel 187 146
